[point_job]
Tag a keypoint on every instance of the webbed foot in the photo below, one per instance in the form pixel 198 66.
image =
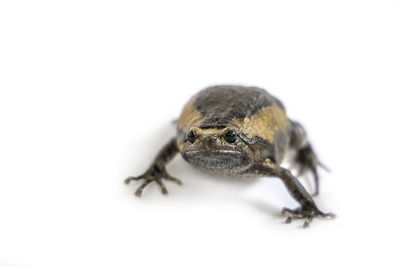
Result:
pixel 153 174
pixel 306 213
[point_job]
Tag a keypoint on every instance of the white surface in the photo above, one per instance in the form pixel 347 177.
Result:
pixel 88 90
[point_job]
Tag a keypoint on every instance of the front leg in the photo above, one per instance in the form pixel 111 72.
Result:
pixel 157 170
pixel 308 209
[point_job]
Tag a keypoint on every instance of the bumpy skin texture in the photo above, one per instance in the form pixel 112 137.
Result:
pixel 240 131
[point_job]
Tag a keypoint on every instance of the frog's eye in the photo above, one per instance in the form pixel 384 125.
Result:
pixel 230 136
pixel 191 137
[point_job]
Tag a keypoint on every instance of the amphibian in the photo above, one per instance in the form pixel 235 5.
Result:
pixel 239 131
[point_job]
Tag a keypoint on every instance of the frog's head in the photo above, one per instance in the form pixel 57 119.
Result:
pixel 216 150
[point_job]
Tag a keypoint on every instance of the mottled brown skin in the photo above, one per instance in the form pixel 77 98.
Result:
pixel 239 131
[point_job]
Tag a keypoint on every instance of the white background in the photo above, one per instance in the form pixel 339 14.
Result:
pixel 88 91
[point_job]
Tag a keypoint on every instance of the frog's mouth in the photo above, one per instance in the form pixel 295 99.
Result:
pixel 222 162
pixel 213 152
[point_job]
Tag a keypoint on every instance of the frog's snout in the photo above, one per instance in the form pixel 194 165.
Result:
pixel 210 142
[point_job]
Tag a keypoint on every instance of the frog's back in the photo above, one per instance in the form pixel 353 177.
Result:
pixel 219 105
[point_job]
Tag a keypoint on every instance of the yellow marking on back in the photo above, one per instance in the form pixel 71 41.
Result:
pixel 266 123
pixel 190 117
pixel 210 131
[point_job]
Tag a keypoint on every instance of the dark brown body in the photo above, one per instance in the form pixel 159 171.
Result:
pixel 239 131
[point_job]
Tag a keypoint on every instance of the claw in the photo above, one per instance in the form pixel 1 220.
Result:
pixel 156 174
pixel 329 215
pixel 139 191
pixel 130 178
pixel 306 214
pixel 172 178
pixel 164 190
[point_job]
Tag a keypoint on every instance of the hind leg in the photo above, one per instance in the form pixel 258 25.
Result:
pixel 305 157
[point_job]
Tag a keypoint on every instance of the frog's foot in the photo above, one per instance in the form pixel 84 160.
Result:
pixel 307 214
pixel 154 174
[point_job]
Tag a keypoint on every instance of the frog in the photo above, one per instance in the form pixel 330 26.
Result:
pixel 240 131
